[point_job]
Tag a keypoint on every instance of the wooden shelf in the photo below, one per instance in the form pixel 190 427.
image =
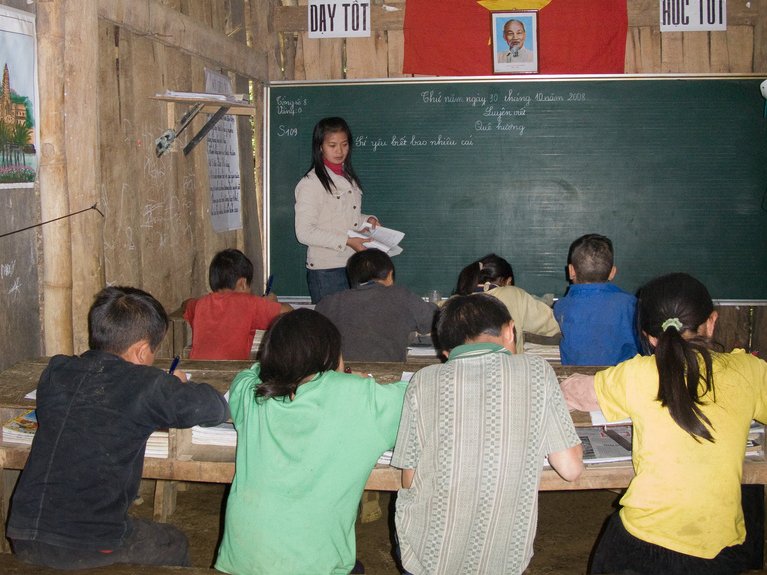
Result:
pixel 211 105
pixel 218 105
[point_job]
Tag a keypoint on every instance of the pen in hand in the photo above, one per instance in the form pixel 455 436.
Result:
pixel 174 364
pixel 269 283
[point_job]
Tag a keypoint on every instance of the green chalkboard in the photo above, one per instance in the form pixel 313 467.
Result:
pixel 674 170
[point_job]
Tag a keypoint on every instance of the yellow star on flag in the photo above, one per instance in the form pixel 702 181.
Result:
pixel 513 4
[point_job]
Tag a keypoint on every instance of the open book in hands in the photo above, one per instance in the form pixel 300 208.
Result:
pixel 380 238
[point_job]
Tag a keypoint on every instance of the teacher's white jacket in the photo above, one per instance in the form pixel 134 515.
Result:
pixel 322 219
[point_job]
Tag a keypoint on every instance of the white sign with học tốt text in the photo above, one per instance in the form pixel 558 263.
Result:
pixel 339 18
pixel 692 15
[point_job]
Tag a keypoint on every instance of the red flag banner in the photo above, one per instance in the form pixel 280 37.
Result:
pixel 453 37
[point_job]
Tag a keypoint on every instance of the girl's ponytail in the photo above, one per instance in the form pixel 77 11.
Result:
pixel 671 309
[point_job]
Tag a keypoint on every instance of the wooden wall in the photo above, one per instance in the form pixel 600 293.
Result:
pixel 740 49
pixel 156 232
pixel 100 61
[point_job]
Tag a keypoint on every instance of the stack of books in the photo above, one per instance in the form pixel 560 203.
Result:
pixel 385 458
pixel 157 445
pixel 222 434
pixel 755 441
pixel 21 429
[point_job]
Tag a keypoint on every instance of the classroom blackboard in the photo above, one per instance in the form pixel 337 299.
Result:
pixel 673 170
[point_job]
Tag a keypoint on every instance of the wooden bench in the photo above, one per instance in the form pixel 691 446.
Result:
pixel 12 566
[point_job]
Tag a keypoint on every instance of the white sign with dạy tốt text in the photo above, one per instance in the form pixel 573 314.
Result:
pixel 339 18
pixel 692 15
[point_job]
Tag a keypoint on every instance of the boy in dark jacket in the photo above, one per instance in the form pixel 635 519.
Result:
pixel 95 414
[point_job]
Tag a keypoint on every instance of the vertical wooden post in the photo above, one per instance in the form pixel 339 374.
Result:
pixel 54 200
pixel 261 37
pixel 81 105
pixel 760 38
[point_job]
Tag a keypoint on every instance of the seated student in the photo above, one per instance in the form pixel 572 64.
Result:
pixel 308 436
pixel 493 275
pixel 691 409
pixel 375 317
pixel 471 445
pixel 96 412
pixel 224 322
pixel 597 318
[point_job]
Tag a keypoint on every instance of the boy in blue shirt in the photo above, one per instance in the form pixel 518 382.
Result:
pixel 597 318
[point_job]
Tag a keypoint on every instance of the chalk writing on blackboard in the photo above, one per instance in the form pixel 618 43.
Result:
pixel 290 106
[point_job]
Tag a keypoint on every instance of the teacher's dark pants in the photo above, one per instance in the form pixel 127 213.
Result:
pixel 326 282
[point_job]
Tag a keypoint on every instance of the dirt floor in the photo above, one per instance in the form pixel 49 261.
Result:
pixel 568 525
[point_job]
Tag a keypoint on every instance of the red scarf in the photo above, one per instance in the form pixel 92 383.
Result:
pixel 337 169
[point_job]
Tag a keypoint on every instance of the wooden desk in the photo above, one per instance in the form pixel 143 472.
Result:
pixel 214 464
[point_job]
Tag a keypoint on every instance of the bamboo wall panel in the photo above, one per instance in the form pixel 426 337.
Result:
pixel 368 57
pixel 119 200
pixel 158 234
pixel 396 52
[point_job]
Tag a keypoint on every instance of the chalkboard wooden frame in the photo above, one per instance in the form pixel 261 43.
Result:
pixel 672 168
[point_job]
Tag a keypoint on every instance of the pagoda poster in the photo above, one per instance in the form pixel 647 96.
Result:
pixel 18 99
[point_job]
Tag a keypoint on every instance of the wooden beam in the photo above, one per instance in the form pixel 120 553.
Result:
pixel 54 199
pixel 760 37
pixel 390 16
pixel 81 142
pixel 176 30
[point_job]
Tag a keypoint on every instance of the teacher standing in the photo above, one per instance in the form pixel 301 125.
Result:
pixel 328 204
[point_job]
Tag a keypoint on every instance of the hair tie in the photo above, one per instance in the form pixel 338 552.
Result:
pixel 480 266
pixel 672 322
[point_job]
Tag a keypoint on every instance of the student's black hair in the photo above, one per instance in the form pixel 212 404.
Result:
pixel 321 129
pixel 592 257
pixel 465 317
pixel 490 269
pixel 672 308
pixel 368 265
pixel 298 344
pixel 226 267
pixel 122 316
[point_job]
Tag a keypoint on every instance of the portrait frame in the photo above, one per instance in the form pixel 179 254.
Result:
pixel 509 59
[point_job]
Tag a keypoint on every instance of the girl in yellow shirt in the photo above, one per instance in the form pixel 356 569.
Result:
pixel 691 410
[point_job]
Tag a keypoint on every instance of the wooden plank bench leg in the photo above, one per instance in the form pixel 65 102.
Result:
pixel 370 507
pixel 164 499
pixel 8 478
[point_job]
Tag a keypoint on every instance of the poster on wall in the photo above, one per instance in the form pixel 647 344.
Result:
pixel 693 15
pixel 223 162
pixel 18 99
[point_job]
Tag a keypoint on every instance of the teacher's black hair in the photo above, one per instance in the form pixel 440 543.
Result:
pixel 321 129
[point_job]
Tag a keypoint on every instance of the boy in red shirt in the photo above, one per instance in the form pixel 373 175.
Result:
pixel 225 321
